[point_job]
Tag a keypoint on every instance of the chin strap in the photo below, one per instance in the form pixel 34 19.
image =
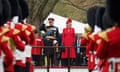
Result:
pixel 14 21
pixel 25 21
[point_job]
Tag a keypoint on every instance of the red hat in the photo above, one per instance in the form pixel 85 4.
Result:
pixel 69 21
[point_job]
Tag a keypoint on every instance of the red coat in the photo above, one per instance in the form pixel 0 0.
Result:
pixel 23 32
pixel 84 42
pixel 93 47
pixel 18 43
pixel 68 39
pixel 109 46
pixel 8 60
pixel 87 43
pixel 31 29
pixel 31 35
pixel 37 50
pixel 90 48
pixel 13 34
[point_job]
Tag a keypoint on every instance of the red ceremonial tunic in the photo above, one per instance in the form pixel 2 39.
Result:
pixel 109 46
pixel 8 60
pixel 30 28
pixel 37 50
pixel 90 49
pixel 68 39
pixel 23 35
pixel 17 45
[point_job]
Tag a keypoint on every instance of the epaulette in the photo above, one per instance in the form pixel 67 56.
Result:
pixel 103 35
pixel 4 30
pixel 5 38
pixel 27 32
pixel 91 36
pixel 85 36
pixel 24 27
pixel 16 31
pixel 33 27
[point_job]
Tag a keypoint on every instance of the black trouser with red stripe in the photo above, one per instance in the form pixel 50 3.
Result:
pixel 27 69
pixel 19 68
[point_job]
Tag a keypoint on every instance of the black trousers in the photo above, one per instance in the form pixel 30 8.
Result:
pixel 27 69
pixel 38 59
pixel 66 62
pixel 19 69
pixel 49 52
pixel 50 60
pixel 79 60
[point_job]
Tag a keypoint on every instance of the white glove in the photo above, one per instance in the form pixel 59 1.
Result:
pixel 96 69
pixel 55 42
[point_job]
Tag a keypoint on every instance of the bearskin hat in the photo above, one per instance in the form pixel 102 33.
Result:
pixel 69 20
pixel 14 8
pixel 106 21
pixel 24 9
pixel 1 11
pixel 99 14
pixel 0 8
pixel 91 16
pixel 114 10
pixel 6 16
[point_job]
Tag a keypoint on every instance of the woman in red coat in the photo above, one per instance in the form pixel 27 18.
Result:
pixel 68 39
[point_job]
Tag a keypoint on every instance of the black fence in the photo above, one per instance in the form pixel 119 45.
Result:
pixel 49 58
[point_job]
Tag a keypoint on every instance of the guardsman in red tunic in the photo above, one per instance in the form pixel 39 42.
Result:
pixel 16 43
pixel 30 37
pixel 86 37
pixel 102 18
pixel 24 35
pixel 106 23
pixel 6 16
pixel 37 52
pixel 109 46
pixel 30 31
pixel 85 40
pixel 68 39
pixel 88 43
pixel 18 48
pixel 94 36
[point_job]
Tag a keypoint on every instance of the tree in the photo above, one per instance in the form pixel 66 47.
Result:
pixel 39 10
pixel 84 4
pixel 76 9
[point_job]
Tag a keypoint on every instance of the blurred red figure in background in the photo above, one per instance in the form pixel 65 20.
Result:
pixel 36 51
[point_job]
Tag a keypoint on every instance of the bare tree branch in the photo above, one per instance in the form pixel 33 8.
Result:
pixel 74 5
pixel 39 10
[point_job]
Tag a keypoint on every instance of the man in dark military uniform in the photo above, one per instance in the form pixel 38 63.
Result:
pixel 51 39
